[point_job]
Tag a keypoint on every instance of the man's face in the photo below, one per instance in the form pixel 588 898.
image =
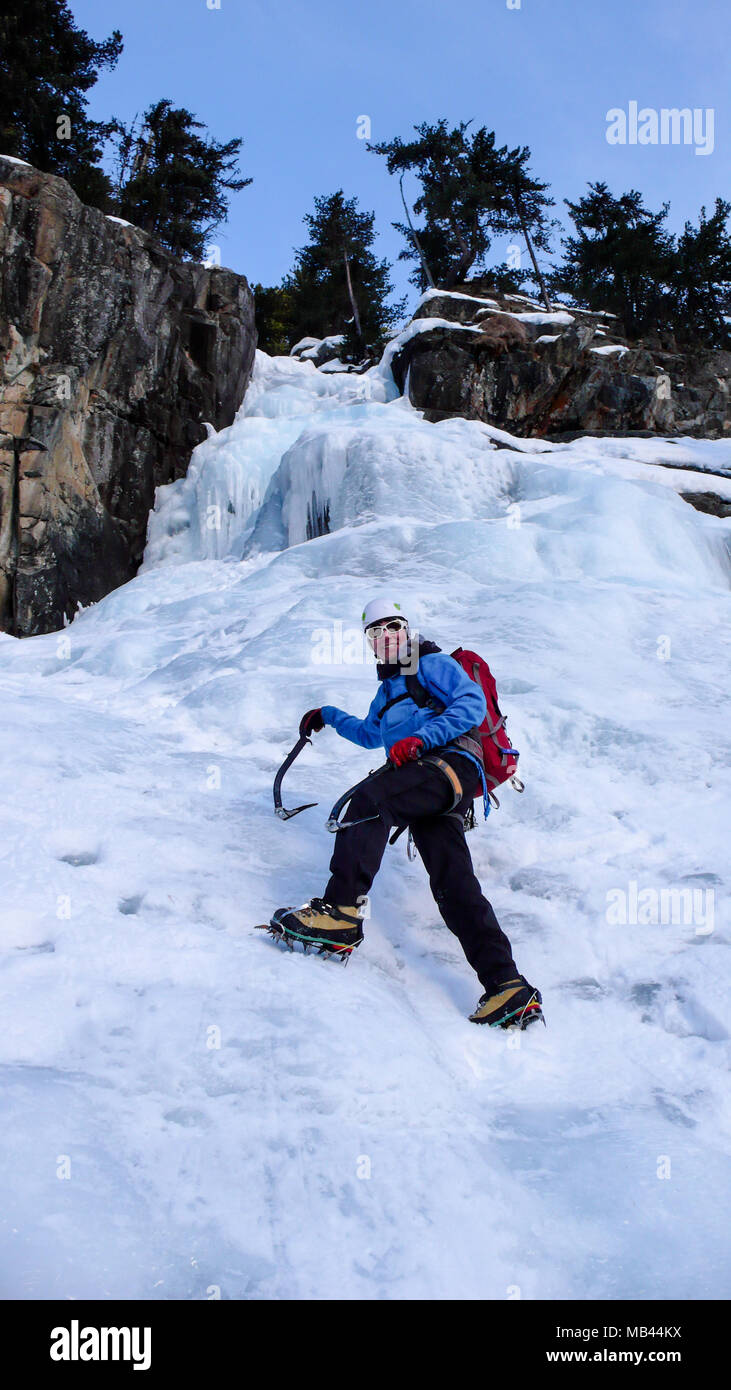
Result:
pixel 389 640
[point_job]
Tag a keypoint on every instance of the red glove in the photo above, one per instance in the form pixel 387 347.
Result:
pixel 311 723
pixel 405 750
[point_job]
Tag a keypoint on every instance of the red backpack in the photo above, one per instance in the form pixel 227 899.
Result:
pixel 501 761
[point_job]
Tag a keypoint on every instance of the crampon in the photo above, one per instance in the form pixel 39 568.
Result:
pixel 514 1004
pixel 288 938
pixel 530 1013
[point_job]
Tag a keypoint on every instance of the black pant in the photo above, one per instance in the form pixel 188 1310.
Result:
pixel 414 795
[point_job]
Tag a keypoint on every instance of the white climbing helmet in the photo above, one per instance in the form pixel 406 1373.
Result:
pixel 380 609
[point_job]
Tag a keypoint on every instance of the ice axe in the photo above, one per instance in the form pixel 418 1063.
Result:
pixel 333 823
pixel 279 809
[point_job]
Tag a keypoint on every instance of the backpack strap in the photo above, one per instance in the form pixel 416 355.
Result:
pixel 421 697
pixel 414 688
pixel 469 741
pixel 389 703
pixel 416 692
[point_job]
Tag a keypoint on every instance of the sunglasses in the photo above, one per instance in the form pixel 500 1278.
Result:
pixel 379 629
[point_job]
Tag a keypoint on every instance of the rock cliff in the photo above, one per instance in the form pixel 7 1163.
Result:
pixel 112 355
pixel 505 360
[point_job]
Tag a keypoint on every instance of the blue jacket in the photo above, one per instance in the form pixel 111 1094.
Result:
pixel 444 678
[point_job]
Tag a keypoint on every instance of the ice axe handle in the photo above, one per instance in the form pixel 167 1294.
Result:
pixel 279 809
pixel 333 823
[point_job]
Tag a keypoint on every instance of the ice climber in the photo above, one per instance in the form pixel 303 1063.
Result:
pixel 434 770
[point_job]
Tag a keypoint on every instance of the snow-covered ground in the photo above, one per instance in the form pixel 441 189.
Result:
pixel 190 1110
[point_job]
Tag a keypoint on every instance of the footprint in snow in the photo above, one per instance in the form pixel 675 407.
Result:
pixel 186 1117
pixel 677 1011
pixel 129 907
pixel 540 883
pixel 672 1111
pixel 585 988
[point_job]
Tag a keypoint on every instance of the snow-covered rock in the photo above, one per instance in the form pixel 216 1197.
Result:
pixel 551 382
pixel 320 350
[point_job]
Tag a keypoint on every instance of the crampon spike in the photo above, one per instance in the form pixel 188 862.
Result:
pixel 528 1014
pixel 282 937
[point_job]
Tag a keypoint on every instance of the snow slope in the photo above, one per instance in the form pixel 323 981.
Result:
pixel 189 1110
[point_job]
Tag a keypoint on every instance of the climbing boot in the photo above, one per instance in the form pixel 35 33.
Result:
pixel 511 1004
pixel 320 926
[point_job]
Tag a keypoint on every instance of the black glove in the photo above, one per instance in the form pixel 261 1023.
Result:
pixel 311 723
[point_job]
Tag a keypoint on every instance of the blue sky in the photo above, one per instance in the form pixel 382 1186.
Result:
pixel 293 76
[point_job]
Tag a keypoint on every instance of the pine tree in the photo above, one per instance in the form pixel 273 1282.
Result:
pixel 471 190
pixel 701 287
pixel 178 181
pixel 621 260
pixel 47 65
pixel 274 318
pixel 338 285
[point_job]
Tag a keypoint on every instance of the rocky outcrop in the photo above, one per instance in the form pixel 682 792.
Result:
pixel 556 375
pixel 112 355
pixel 319 351
pixel 708 502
